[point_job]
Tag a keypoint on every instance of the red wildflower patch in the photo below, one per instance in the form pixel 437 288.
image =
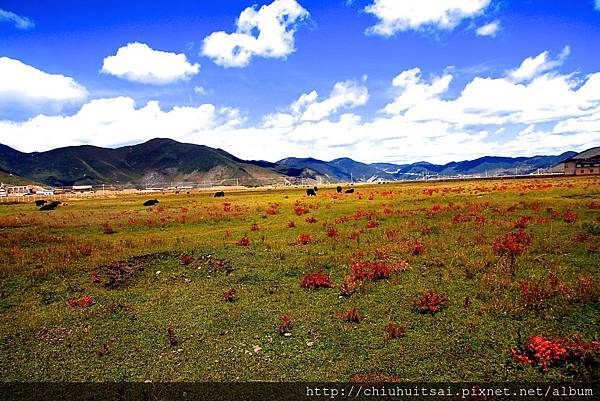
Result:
pixel 545 353
pixel 310 220
pixel 81 303
pixel 372 224
pixel 299 210
pixel 417 247
pixel 227 207
pixel 582 237
pixel 291 224
pixel 108 230
pixel 391 234
pixel 425 231
pixel 591 248
pixel 512 244
pixel 375 270
pixel 304 239
pixel 394 331
pixel 332 232
pixel 351 316
pixel 312 281
pixel 272 211
pixel 430 303
pixel 229 295
pixel 348 287
pixel 285 326
pixel 96 278
pixel 244 241
pixel 254 227
pixel 569 217
pixel 186 259
pixel 173 341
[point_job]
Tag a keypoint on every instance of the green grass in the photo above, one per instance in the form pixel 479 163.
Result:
pixel 48 258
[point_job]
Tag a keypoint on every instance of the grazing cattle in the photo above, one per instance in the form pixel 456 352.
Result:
pixel 310 192
pixel 219 194
pixel 40 202
pixel 50 206
pixel 151 202
pixel 350 191
pixel 316 189
pixel 339 189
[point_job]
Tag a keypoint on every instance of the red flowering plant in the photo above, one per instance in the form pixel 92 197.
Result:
pixel 372 224
pixel 244 241
pixel 332 232
pixel 393 331
pixel 291 224
pixel 569 217
pixel 186 259
pixel 310 220
pixel 512 245
pixel 350 316
pixel 81 303
pixel 430 303
pixel 349 286
pixel 108 230
pixel 545 353
pixel 299 210
pixel 304 239
pixel 312 281
pixel 285 326
pixel 229 295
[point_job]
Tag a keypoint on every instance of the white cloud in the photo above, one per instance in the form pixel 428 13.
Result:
pixel 492 115
pixel 139 63
pixel 106 122
pixel 414 91
pixel 533 66
pixel 29 87
pixel 597 6
pixel 202 91
pixel 266 32
pixel 397 16
pixel 490 29
pixel 344 95
pixel 18 21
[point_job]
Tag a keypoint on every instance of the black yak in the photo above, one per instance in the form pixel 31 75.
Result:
pixel 316 189
pixel 310 192
pixel 350 191
pixel 40 202
pixel 339 189
pixel 151 202
pixel 50 206
pixel 219 194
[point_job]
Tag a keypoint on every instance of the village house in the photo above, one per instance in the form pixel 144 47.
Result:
pixel 584 163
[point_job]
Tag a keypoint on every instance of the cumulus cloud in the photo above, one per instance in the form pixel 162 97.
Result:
pixel 29 87
pixel 18 21
pixel 111 121
pixel 139 63
pixel 597 5
pixel 490 29
pixel 533 66
pixel 492 115
pixel 414 90
pixel 266 32
pixel 398 16
pixel 344 95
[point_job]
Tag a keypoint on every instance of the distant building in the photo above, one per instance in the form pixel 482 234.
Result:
pixel 82 188
pixel 584 163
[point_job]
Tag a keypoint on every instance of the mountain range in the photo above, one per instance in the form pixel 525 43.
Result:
pixel 163 161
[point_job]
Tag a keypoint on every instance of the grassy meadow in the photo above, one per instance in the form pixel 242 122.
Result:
pixel 416 281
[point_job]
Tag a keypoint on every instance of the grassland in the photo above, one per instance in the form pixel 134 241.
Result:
pixel 163 316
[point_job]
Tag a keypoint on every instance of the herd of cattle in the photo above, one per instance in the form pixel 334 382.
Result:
pixel 45 205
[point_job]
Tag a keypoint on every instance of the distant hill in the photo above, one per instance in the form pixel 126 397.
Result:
pixel 164 161
pixel 157 161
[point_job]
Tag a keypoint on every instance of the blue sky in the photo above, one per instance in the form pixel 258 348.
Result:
pixel 250 107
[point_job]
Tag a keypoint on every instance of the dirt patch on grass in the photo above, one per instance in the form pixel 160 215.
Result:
pixel 122 272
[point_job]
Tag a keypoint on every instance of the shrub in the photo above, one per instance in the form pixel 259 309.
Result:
pixel 332 232
pixel 173 341
pixel 299 210
pixel 254 227
pixel 108 230
pixel 313 281
pixel 291 224
pixel 348 287
pixel 430 303
pixel 372 224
